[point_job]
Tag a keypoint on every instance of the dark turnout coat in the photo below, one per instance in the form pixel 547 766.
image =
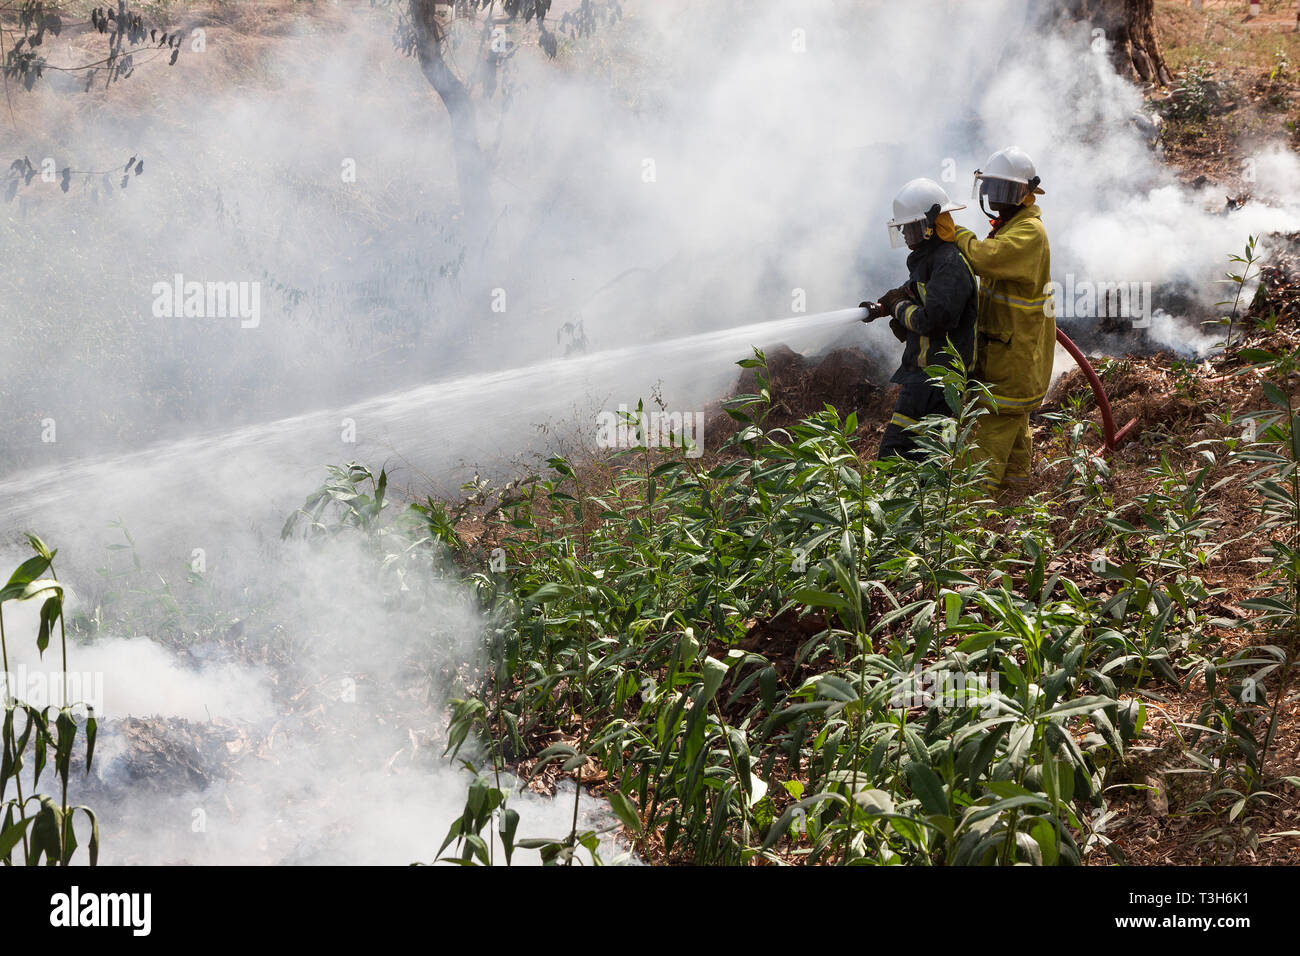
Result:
pixel 945 307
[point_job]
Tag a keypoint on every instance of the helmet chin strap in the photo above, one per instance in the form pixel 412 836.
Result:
pixel 931 216
pixel 1030 188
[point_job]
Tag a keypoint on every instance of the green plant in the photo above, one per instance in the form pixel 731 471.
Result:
pixel 783 653
pixel 624 614
pixel 1196 96
pixel 1249 263
pixel 1281 66
pixel 49 831
pixel 1235 730
pixel 1186 380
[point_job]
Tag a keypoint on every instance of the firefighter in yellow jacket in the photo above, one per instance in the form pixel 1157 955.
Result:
pixel 1016 338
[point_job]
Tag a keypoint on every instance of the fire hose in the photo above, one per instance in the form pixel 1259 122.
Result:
pixel 1112 437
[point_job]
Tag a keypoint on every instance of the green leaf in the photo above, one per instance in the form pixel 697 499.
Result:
pixel 1044 835
pixel 547 592
pixel 1008 804
pixel 836 688
pixel 782 825
pixel 509 826
pixel 815 598
pixel 1276 395
pixel 624 810
pixel 50 612
pixel 1030 848
pixel 92 848
pixel 714 672
pixel 12 834
pixel 767 682
pixel 1058 780
pixel 45 833
pixel 952 608
pixel 929 789
pixel 40 547
pixel 1080 705
pixel 27 572
pixel 875 802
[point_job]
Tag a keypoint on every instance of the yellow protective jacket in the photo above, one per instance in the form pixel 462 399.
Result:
pixel 1016 330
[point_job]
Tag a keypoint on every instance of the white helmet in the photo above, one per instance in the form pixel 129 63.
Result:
pixel 1008 177
pixel 916 207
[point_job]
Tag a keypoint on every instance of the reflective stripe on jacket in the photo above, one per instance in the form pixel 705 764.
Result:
pixel 1016 331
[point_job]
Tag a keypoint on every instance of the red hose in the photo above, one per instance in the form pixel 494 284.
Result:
pixel 1113 438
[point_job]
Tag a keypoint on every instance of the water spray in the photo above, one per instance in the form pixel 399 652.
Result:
pixel 432 423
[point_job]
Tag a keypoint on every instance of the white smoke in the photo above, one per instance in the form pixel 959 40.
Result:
pixel 698 167
pixel 326 753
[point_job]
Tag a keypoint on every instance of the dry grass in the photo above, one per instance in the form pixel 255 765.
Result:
pixel 1258 65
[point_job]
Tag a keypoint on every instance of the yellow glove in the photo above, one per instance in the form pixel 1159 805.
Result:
pixel 944 227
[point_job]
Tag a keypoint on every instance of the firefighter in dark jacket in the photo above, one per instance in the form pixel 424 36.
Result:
pixel 936 306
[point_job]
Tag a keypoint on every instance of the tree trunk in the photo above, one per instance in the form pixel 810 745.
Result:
pixel 471 165
pixel 1131 32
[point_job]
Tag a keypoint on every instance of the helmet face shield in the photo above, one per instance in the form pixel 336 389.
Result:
pixel 1003 191
pixel 907 234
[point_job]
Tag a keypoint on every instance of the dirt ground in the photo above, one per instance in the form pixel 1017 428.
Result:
pixel 1250 66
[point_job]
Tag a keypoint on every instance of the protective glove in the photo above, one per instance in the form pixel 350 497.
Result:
pixel 893 298
pixel 899 329
pixel 945 228
pixel 874 310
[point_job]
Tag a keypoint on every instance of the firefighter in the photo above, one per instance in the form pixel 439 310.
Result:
pixel 936 306
pixel 1017 332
